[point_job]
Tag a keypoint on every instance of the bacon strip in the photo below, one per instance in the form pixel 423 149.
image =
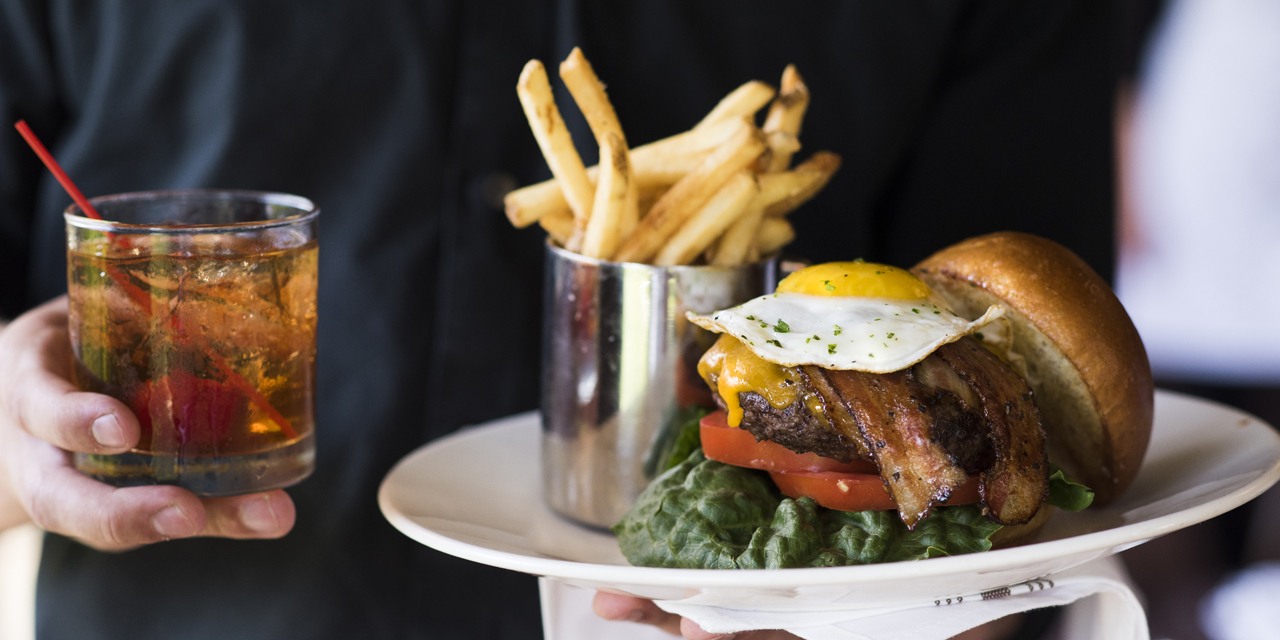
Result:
pixel 917 470
pixel 838 415
pixel 1018 482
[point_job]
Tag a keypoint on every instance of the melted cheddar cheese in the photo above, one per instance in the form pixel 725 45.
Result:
pixel 730 368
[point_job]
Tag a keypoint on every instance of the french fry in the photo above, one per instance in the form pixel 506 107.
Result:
pixel 785 117
pixel 549 130
pixel 558 225
pixel 649 197
pixel 688 195
pixel 630 213
pixel 735 246
pixel 656 165
pixel 774 234
pixel 780 192
pixel 701 229
pixel 744 101
pixel 787 190
pixel 709 255
pixel 588 92
pixel 779 143
pixel 717 193
pixel 609 209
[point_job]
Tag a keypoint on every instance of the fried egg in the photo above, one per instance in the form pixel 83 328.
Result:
pixel 846 316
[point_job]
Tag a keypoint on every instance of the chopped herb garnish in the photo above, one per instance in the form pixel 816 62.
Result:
pixel 837 331
pixel 774 343
pixel 781 327
pixel 831 349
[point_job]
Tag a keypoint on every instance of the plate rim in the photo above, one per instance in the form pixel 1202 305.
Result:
pixel 1100 542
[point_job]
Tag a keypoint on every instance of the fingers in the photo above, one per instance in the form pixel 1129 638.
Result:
pixel 692 631
pixel 51 409
pixel 42 414
pixel 261 515
pixel 35 391
pixel 62 500
pixel 611 606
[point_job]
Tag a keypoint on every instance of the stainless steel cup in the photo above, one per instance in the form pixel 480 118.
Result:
pixel 618 361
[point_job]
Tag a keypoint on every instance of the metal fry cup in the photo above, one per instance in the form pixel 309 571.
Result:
pixel 619 360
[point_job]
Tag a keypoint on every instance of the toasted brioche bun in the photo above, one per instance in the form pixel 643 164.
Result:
pixel 1083 358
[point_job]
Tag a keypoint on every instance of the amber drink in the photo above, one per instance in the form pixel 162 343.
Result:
pixel 197 309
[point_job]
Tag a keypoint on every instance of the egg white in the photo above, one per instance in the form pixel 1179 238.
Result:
pixel 876 335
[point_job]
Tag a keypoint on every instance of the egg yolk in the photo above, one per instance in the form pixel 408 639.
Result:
pixel 848 279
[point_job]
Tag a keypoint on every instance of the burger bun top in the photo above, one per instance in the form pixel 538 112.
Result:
pixel 1078 349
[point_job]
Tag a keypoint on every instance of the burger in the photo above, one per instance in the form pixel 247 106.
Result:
pixel 870 413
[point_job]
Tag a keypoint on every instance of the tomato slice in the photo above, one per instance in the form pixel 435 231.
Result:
pixel 738 447
pixel 844 486
pixel 854 491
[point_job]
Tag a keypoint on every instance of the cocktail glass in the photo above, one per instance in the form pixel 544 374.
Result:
pixel 197 309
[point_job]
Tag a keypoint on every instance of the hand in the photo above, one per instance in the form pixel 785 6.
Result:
pixel 43 417
pixel 615 607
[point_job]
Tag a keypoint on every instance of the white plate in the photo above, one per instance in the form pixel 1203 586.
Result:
pixel 476 495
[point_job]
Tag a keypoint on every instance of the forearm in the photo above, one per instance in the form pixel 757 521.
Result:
pixel 11 511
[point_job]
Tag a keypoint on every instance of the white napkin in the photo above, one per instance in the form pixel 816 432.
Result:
pixel 1114 612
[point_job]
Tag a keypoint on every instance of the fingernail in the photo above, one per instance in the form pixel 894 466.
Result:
pixel 258 516
pixel 106 430
pixel 171 522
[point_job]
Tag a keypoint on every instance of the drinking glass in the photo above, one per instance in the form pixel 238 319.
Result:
pixel 197 309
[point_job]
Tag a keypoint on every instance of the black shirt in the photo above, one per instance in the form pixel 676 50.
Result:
pixel 400 120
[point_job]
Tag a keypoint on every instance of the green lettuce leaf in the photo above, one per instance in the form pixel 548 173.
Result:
pixel 703 514
pixel 1067 494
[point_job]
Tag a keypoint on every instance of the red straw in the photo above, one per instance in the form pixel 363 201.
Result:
pixel 58 173
pixel 141 297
